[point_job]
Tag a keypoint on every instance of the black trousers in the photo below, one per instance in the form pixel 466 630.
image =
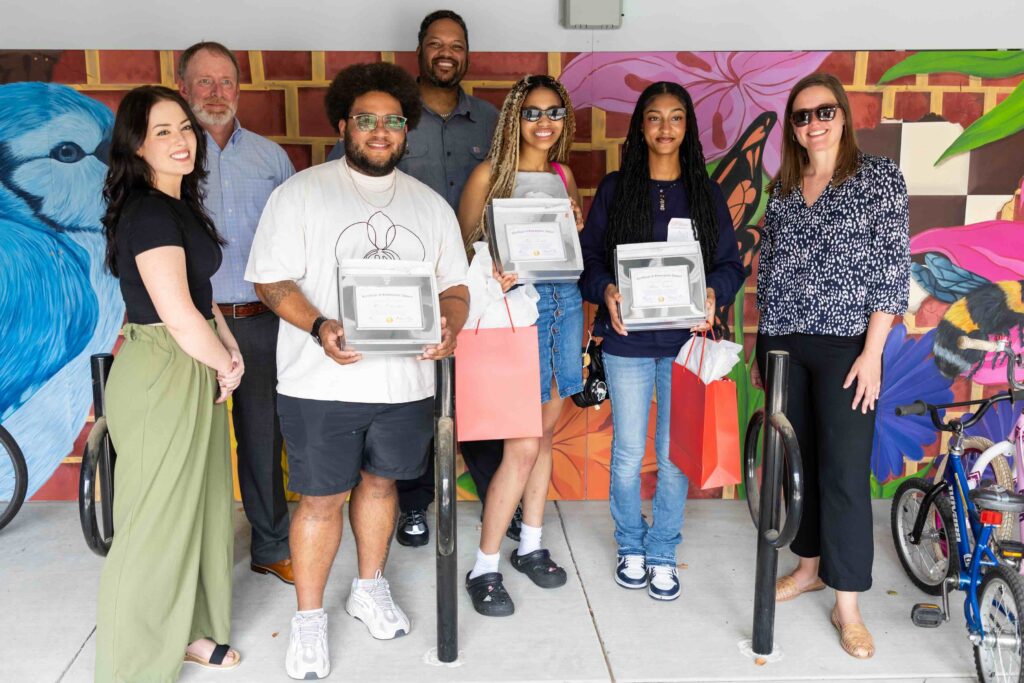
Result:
pixel 482 460
pixel 258 433
pixel 835 446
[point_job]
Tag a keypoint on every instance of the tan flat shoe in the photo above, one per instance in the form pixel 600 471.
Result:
pixel 787 588
pixel 855 639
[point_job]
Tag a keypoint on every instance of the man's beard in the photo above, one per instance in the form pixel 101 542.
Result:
pixel 211 119
pixel 427 72
pixel 363 164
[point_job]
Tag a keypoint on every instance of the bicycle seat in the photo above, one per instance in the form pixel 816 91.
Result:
pixel 997 498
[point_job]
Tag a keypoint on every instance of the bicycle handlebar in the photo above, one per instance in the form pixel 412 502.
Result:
pixel 981 344
pixel 915 408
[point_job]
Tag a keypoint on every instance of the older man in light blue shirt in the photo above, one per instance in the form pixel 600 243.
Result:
pixel 244 168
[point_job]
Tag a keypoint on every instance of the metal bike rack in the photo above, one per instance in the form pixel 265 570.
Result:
pixel 98 464
pixel 780 440
pixel 445 536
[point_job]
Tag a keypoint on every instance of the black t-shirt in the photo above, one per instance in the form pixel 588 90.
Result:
pixel 153 219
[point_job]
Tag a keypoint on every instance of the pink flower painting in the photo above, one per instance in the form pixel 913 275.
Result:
pixel 729 89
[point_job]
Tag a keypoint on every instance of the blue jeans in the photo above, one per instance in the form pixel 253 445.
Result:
pixel 631 383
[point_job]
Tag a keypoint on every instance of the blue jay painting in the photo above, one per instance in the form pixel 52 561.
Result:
pixel 58 304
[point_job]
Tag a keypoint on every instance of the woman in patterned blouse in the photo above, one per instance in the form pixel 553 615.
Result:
pixel 834 272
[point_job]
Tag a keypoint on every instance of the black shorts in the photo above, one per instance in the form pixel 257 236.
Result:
pixel 330 442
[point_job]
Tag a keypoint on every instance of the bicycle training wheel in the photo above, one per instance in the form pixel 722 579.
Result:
pixel 1000 600
pixel 13 478
pixel 929 562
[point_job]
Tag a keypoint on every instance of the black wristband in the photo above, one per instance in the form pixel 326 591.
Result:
pixel 315 330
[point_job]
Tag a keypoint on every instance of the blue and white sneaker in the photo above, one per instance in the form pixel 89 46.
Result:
pixel 663 582
pixel 631 571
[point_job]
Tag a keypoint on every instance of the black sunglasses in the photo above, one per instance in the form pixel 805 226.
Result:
pixel 533 114
pixel 802 117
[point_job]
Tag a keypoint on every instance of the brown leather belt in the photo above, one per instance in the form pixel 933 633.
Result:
pixel 246 310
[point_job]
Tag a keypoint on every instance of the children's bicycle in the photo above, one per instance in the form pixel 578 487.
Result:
pixel 945 538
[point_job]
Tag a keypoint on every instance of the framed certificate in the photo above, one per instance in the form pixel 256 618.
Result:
pixel 535 242
pixel 662 285
pixel 536 238
pixel 658 287
pixel 388 307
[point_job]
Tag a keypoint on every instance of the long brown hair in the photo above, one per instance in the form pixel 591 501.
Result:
pixel 794 156
pixel 504 154
pixel 129 173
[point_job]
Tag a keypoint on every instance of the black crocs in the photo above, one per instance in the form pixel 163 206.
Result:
pixel 489 595
pixel 539 566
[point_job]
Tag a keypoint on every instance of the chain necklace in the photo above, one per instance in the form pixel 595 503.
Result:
pixel 661 193
pixel 394 189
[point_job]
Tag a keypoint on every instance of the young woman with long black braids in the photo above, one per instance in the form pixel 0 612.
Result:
pixel 663 176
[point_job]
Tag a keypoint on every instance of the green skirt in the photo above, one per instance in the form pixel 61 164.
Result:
pixel 167 578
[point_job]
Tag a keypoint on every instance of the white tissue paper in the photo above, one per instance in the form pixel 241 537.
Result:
pixel 486 300
pixel 719 357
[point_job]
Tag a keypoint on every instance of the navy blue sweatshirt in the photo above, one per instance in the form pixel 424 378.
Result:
pixel 726 276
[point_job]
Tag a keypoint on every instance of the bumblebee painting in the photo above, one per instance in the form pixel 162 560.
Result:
pixel 993 309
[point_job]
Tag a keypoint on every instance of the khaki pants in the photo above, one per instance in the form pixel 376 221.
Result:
pixel 167 578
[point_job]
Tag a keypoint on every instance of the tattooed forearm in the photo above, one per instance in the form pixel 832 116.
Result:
pixel 273 293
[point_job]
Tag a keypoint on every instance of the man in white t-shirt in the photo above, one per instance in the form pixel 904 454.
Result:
pixel 352 423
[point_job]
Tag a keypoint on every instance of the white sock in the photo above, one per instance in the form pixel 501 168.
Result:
pixel 311 612
pixel 485 564
pixel 529 539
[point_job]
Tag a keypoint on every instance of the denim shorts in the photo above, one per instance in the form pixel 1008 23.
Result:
pixel 560 338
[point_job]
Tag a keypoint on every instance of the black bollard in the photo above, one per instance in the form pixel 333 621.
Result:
pixel 779 441
pixel 445 535
pixel 101 364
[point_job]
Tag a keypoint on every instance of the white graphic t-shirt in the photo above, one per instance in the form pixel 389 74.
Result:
pixel 318 217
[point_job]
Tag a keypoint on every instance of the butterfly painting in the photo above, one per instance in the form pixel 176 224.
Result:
pixel 740 175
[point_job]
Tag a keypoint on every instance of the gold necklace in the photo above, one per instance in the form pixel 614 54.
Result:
pixel 394 188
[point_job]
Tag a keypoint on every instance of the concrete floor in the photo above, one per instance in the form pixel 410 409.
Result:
pixel 589 630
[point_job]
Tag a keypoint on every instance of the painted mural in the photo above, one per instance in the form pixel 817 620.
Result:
pixel 953 121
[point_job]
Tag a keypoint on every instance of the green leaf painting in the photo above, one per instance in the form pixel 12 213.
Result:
pixel 1003 120
pixel 982 63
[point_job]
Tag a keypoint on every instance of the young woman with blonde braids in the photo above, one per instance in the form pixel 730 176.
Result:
pixel 531 144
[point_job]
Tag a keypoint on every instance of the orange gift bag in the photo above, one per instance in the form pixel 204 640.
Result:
pixel 704 440
pixel 497 383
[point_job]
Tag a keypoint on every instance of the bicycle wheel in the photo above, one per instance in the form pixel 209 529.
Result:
pixel 1000 600
pixel 13 478
pixel 929 562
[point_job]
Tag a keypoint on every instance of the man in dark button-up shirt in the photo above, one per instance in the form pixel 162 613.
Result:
pixel 454 133
pixel 453 136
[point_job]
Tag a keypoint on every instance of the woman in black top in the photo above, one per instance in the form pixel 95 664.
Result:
pixel 834 272
pixel 165 590
pixel 662 193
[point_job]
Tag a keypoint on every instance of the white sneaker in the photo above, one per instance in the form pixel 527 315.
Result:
pixel 374 607
pixel 663 582
pixel 307 657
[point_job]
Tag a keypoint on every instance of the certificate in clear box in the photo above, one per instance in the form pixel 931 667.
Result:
pixel 536 238
pixel 662 285
pixel 388 307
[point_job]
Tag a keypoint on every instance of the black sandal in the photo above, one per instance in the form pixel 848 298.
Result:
pixel 216 660
pixel 539 566
pixel 489 595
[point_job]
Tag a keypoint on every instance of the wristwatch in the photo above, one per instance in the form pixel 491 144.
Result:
pixel 315 330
